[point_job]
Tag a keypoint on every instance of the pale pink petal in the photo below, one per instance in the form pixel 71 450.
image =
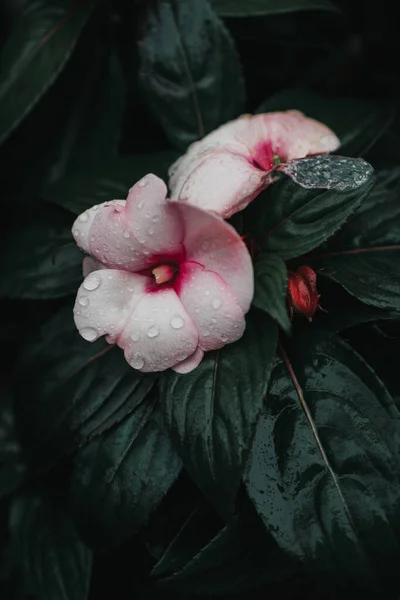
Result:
pixel 152 222
pixel 293 135
pixel 159 333
pixel 130 233
pixel 220 181
pixel 189 363
pixel 213 243
pixel 105 301
pixel 212 306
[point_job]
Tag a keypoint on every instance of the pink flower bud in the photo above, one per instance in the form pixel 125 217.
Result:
pixel 303 296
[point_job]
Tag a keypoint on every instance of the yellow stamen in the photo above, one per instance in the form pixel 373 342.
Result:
pixel 163 274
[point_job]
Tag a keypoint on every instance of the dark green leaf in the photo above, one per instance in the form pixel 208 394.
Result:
pixel 270 276
pixel 241 557
pixel 104 180
pixel 349 317
pixel 190 71
pixel 42 258
pixel 55 562
pixel 120 478
pixel 68 391
pixel 93 127
pixel 255 8
pixel 211 413
pixel 365 256
pixel 328 172
pixel 359 124
pixel 291 220
pixel 188 541
pixel 12 468
pixel 35 53
pixel 325 468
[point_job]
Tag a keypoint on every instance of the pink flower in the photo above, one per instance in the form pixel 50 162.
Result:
pixel 165 281
pixel 228 168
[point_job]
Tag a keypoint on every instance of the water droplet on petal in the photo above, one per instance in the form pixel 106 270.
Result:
pixel 207 293
pixel 216 303
pixel 84 217
pixel 126 234
pixel 224 338
pixel 177 322
pixel 150 231
pixel 83 301
pixel 76 233
pixel 89 334
pixel 91 282
pixel 153 332
pixel 156 218
pixel 143 182
pixel 135 336
pixel 137 361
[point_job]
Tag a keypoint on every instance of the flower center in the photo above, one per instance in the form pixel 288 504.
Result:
pixel 164 273
pixel 264 157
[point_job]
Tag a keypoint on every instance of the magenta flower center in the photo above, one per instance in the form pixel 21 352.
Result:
pixel 264 156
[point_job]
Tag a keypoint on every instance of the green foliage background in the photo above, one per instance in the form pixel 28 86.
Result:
pixel 272 470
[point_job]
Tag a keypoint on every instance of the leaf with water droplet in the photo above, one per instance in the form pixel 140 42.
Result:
pixel 211 413
pixel 326 446
pixel 120 478
pixel 340 172
pixel 289 219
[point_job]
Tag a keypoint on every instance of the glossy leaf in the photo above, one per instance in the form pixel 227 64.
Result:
pixel 365 256
pixel 42 258
pixel 35 53
pixel 240 557
pixel 290 220
pixel 93 128
pixel 255 8
pixel 120 478
pixel 211 413
pixel 190 71
pixel 324 471
pixel 103 180
pixel 54 561
pixel 270 276
pixel 358 123
pixel 12 468
pixel 68 391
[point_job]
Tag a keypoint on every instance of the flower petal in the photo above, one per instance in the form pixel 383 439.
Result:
pixel 159 333
pixel 105 301
pixel 228 168
pixel 189 363
pixel 212 307
pixel 213 243
pixel 293 135
pixel 220 181
pixel 152 222
pixel 130 233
